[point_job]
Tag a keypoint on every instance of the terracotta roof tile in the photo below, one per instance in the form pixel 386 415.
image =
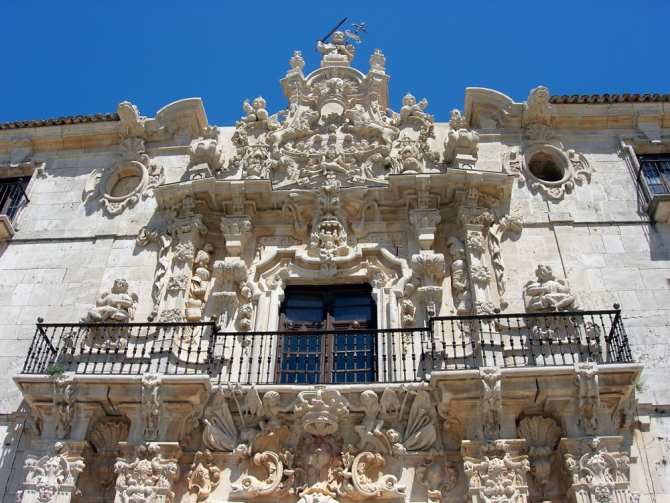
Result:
pixel 609 98
pixel 79 119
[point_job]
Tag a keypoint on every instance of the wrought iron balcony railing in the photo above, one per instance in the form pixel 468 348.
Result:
pixel 336 356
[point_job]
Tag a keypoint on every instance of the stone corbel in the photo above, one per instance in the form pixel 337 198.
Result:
pixel 53 477
pixel 147 472
pixel 152 401
pixel 588 391
pixel 541 435
pixel 491 401
pixel 237 232
pixel 63 403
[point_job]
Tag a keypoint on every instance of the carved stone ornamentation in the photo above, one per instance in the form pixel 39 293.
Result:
pixel 460 278
pixel 117 305
pixel 541 434
pixel 461 145
pixel 237 232
pixel 132 123
pixel 496 476
pixel 147 477
pixel 63 403
pixel 52 477
pixel 420 433
pixel 437 475
pixel 588 391
pixel 537 110
pixel 496 233
pixel 202 478
pixel 105 440
pixel 624 415
pixel 491 401
pixel 548 294
pixel 358 482
pixel 231 275
pixel 597 475
pixel 152 400
pixel 206 151
pixel 126 181
pixel 321 410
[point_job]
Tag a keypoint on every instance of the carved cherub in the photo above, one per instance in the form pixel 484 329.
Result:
pixel 548 293
pixel 256 112
pixel 410 108
pixel 332 161
pixel 268 409
pixel 117 305
pixel 336 50
pixel 370 428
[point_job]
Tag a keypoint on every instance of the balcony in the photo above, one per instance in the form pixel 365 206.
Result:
pixel 340 356
pixel 12 197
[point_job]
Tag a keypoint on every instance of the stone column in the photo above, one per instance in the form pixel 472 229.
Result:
pixel 190 231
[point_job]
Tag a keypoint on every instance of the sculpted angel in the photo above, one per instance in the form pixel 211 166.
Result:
pixel 370 428
pixel 117 305
pixel 410 108
pixel 256 111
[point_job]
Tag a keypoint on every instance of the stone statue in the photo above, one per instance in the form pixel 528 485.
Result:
pixel 370 428
pixel 336 50
pixel 256 111
pixel 199 284
pixel 116 306
pixel 410 108
pixel 461 284
pixel 549 294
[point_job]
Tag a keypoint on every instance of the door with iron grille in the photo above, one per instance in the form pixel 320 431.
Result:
pixel 323 336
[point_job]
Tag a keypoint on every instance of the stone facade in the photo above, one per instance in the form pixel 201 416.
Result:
pixel 531 208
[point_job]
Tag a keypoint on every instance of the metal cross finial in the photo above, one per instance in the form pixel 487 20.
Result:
pixel 354 35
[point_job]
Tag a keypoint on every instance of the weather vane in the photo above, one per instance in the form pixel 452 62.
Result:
pixel 350 36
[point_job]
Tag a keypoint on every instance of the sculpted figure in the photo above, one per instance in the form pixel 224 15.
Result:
pixel 461 284
pixel 117 305
pixel 548 293
pixel 410 108
pixel 256 111
pixel 336 50
pixel 370 428
pixel 332 161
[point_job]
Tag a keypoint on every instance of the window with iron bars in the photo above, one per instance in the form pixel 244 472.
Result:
pixel 12 194
pixel 656 172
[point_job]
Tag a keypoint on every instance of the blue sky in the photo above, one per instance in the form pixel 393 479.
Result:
pixel 68 58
